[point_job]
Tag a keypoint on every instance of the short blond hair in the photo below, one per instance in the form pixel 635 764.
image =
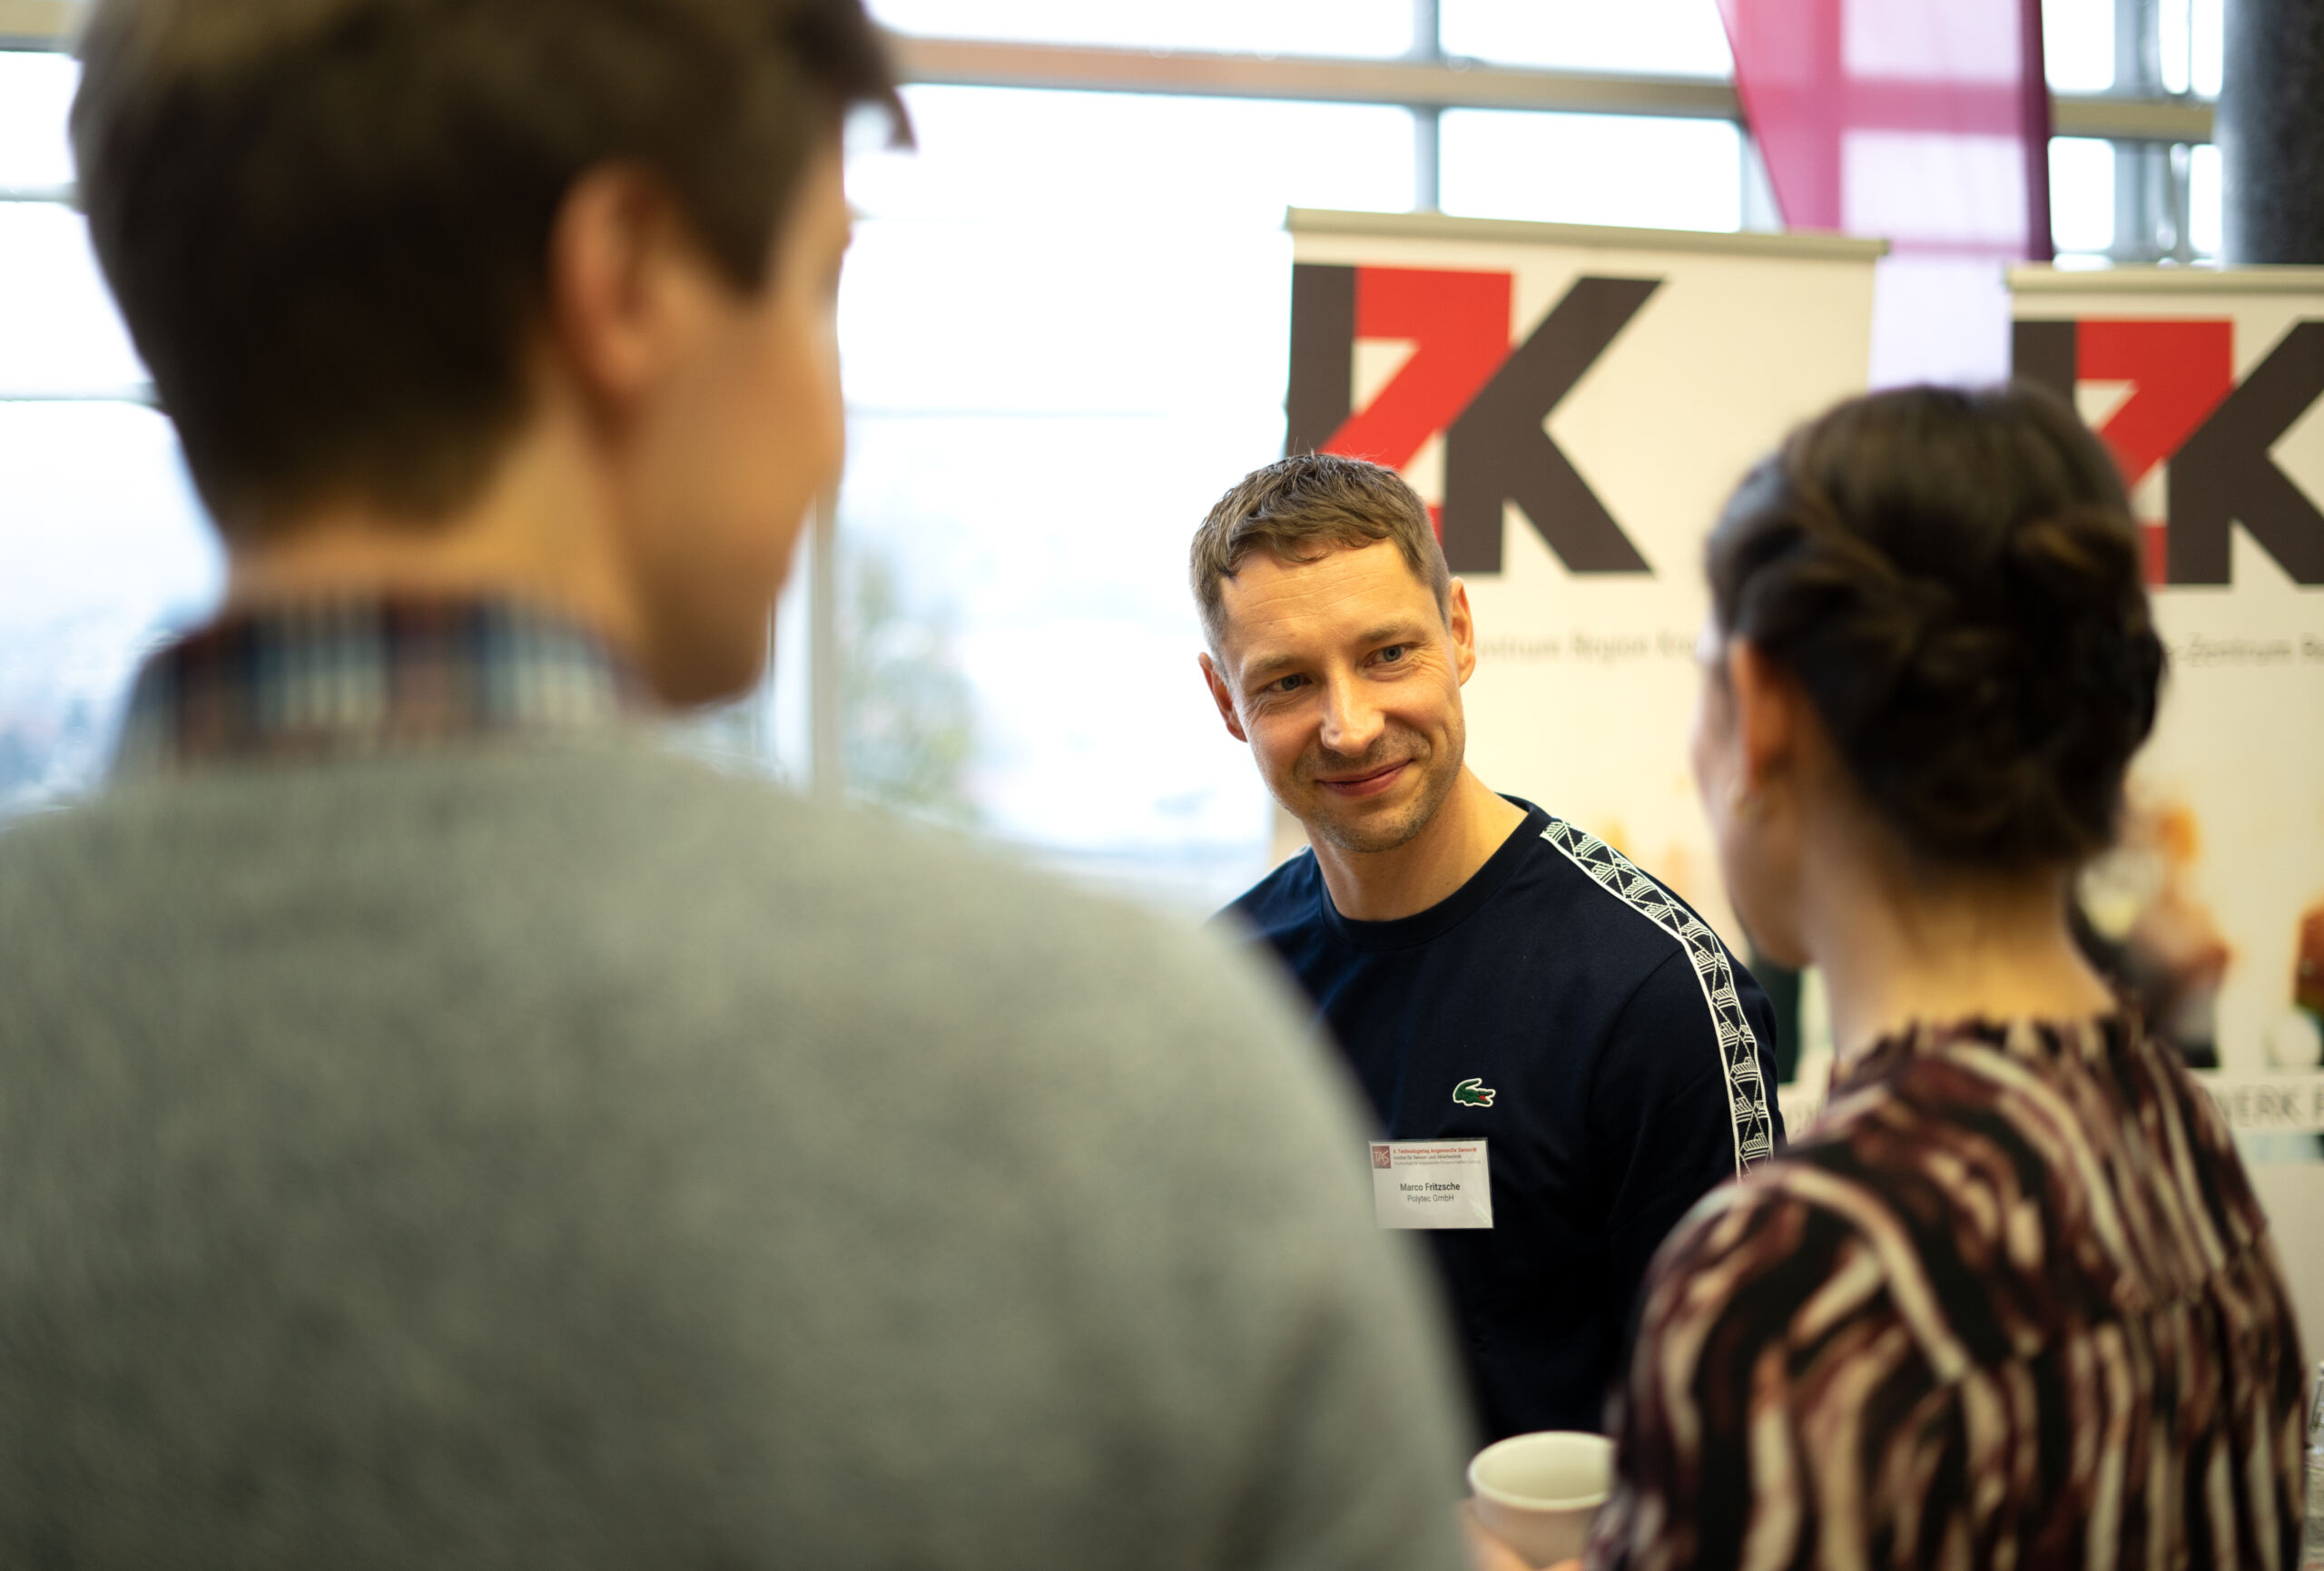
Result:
pixel 1298 509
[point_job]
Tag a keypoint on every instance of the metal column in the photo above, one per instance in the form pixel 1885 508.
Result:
pixel 2271 131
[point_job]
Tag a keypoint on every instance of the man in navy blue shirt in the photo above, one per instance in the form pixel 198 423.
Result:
pixel 1562 1055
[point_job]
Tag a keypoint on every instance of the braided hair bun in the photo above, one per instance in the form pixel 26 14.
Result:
pixel 1953 577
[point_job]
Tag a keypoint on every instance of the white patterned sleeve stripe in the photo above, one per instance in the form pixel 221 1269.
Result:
pixel 1738 1046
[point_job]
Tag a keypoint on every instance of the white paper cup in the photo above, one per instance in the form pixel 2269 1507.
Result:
pixel 1537 1493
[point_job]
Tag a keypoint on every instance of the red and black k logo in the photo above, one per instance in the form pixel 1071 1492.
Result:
pixel 1463 379
pixel 2184 411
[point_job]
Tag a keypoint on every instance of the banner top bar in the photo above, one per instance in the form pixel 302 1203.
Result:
pixel 1802 245
pixel 2039 278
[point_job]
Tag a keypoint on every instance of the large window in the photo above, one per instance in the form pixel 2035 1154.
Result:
pixel 1634 170
pixel 1655 37
pixel 2133 202
pixel 1063 325
pixel 101 541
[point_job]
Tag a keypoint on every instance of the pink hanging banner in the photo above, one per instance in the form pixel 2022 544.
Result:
pixel 1924 123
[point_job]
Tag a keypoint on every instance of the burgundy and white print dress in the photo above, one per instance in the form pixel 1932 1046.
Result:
pixel 2009 1302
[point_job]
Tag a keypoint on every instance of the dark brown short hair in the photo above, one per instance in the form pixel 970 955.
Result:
pixel 1954 578
pixel 1301 508
pixel 326 221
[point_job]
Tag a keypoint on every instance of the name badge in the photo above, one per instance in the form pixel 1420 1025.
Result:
pixel 1431 1184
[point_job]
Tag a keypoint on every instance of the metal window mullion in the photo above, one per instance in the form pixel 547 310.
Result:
pixel 2125 115
pixel 2139 115
pixel 1428 157
pixel 36 24
pixel 1428 154
pixel 2180 169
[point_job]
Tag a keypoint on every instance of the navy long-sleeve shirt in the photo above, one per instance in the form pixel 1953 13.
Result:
pixel 1630 1063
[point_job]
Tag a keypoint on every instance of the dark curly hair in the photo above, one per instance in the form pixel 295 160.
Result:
pixel 1953 577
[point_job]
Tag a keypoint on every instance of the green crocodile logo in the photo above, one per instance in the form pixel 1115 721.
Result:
pixel 1474 1094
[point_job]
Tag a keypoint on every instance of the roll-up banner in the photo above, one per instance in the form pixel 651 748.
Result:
pixel 1575 403
pixel 2209 387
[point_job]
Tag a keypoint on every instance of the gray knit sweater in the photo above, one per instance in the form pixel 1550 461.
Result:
pixel 561 1156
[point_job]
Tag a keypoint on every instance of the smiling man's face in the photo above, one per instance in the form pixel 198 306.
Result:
pixel 1345 679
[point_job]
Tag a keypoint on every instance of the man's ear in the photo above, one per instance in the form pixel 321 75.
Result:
pixel 1462 624
pixel 626 281
pixel 1770 710
pixel 1220 696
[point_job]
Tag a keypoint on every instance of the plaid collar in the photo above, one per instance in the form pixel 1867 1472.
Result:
pixel 333 679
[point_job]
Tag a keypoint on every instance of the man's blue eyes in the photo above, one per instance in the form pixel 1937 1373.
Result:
pixel 1394 653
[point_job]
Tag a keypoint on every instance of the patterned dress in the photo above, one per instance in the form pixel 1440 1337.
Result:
pixel 2009 1302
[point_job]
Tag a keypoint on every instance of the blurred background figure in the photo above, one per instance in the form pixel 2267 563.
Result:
pixel 2010 1301
pixel 2308 972
pixel 2151 937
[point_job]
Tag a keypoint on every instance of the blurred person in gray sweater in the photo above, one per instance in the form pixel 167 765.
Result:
pixel 438 1128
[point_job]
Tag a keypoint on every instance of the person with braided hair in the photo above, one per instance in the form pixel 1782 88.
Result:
pixel 2010 1301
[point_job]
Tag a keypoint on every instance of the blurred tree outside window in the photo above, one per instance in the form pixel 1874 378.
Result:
pixel 910 714
pixel 103 547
